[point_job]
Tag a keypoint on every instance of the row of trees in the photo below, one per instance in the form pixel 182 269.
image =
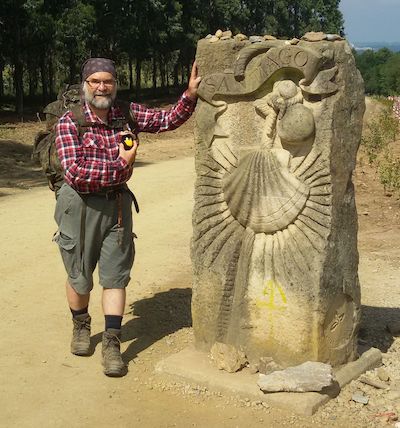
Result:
pixel 43 42
pixel 381 71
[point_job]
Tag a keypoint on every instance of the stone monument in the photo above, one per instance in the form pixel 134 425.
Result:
pixel 274 245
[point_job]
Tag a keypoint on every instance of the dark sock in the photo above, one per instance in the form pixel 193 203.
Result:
pixel 113 321
pixel 79 311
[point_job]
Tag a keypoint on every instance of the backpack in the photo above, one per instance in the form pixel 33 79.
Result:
pixel 44 148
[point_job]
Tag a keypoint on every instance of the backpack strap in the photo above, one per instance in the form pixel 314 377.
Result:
pixel 128 118
pixel 80 120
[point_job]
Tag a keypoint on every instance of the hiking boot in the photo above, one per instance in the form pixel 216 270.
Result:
pixel 112 360
pixel 80 344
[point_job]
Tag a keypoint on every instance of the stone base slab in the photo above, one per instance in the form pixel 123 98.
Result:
pixel 195 367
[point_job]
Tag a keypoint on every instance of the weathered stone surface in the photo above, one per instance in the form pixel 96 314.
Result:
pixel 383 374
pixel 333 37
pixel 370 360
pixel 227 357
pixel 359 397
pixel 372 382
pixel 264 365
pixel 314 36
pixel 309 376
pixel 294 41
pixel 256 39
pixel 226 35
pixel 267 365
pixel 274 245
pixel 269 37
pixel 240 37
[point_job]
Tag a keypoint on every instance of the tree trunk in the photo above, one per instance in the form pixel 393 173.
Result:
pixel 72 64
pixel 162 71
pixel 188 68
pixel 32 77
pixel 51 75
pixel 167 73
pixel 1 78
pixel 43 78
pixel 176 74
pixel 182 69
pixel 138 77
pixel 19 87
pixel 18 73
pixel 130 74
pixel 154 73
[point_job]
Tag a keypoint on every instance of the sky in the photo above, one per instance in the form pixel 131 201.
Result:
pixel 371 20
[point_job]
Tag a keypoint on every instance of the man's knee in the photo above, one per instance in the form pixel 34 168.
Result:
pixel 80 284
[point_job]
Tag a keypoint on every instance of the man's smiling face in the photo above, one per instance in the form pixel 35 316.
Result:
pixel 100 90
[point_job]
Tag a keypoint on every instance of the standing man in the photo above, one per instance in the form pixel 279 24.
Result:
pixel 93 209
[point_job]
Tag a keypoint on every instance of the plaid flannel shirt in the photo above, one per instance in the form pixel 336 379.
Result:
pixel 93 162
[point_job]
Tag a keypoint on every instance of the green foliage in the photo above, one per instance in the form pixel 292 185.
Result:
pixel 380 71
pixel 373 142
pixel 45 41
pixel 389 172
pixel 74 30
pixel 380 132
pixel 389 124
pixel 379 135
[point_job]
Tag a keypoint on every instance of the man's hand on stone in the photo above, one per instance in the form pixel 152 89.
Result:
pixel 194 82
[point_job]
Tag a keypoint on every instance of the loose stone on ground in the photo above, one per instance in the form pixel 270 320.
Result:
pixel 309 376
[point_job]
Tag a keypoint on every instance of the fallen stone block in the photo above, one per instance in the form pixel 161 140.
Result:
pixel 227 357
pixel 309 376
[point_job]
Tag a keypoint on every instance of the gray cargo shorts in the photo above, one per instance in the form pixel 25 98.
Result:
pixel 94 237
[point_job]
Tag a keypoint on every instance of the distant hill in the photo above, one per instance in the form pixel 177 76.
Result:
pixel 363 46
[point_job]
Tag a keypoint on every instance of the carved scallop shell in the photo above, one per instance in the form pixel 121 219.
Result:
pixel 263 194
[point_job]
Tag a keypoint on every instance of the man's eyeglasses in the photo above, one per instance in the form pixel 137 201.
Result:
pixel 95 83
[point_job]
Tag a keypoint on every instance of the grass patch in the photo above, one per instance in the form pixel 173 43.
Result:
pixel 379 136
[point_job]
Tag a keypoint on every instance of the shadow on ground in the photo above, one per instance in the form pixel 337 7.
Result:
pixel 142 163
pixel 169 311
pixel 156 317
pixel 374 331
pixel 17 169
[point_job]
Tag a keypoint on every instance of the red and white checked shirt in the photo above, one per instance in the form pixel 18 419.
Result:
pixel 93 162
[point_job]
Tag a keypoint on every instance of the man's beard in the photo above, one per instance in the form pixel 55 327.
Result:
pixel 101 101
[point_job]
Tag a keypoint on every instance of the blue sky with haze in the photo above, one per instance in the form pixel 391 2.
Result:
pixel 371 20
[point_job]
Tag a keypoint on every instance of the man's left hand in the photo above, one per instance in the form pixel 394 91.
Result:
pixel 194 82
